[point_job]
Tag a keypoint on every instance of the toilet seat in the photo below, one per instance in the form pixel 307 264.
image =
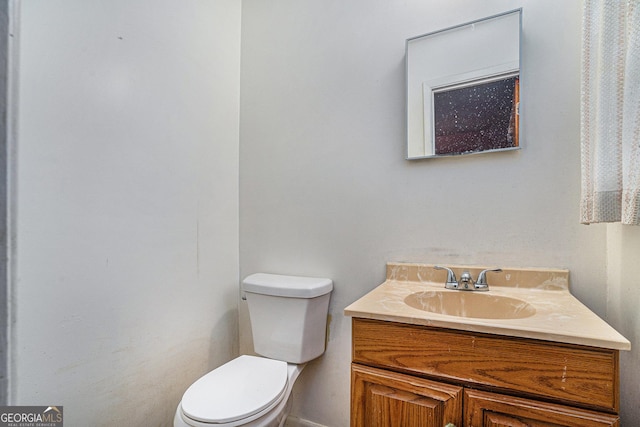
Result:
pixel 241 389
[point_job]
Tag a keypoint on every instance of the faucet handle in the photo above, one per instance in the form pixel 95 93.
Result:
pixel 482 277
pixel 452 282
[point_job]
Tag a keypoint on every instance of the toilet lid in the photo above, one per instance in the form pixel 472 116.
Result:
pixel 236 390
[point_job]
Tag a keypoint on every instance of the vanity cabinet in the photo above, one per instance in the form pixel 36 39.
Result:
pixel 406 375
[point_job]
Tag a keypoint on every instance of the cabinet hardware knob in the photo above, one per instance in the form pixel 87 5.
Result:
pixel 450 425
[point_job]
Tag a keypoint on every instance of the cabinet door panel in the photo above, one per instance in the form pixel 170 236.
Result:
pixel 399 407
pixel 492 419
pixel 388 399
pixel 483 409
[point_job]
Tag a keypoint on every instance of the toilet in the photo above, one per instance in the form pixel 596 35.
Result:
pixel 288 317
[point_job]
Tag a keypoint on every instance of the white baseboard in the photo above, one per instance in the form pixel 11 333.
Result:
pixel 299 422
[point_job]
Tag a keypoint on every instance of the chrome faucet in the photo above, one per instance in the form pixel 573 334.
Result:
pixel 466 282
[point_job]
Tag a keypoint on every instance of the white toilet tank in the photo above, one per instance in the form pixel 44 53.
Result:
pixel 288 315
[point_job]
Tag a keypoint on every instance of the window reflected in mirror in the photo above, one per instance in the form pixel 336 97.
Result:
pixel 476 116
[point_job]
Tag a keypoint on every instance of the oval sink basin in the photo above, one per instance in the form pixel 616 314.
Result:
pixel 470 304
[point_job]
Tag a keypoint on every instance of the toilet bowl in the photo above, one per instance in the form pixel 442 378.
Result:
pixel 248 391
pixel 288 315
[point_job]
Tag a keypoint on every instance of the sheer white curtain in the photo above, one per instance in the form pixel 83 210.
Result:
pixel 610 116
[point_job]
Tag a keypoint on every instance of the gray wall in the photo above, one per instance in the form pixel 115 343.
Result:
pixel 126 214
pixel 4 289
pixel 324 186
pixel 126 256
pixel 623 300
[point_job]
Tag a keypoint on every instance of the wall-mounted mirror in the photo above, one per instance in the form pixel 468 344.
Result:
pixel 463 88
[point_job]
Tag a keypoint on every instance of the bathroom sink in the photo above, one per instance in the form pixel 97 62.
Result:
pixel 470 304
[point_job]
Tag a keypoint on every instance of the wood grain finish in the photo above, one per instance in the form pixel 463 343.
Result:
pixel 582 376
pixel 483 409
pixel 389 399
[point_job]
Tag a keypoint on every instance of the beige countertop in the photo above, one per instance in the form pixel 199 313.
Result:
pixel 558 316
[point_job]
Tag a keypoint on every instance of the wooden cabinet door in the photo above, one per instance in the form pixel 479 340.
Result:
pixel 483 409
pixel 382 398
